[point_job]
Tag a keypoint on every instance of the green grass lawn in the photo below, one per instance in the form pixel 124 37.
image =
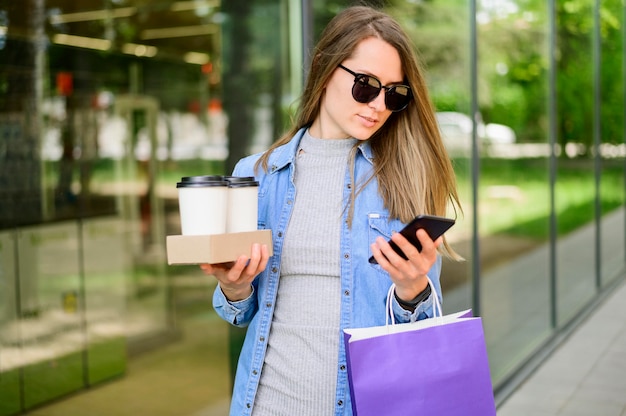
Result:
pixel 514 195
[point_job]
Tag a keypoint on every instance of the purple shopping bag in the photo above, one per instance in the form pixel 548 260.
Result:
pixel 436 366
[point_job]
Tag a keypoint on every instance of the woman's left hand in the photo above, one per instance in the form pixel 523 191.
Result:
pixel 408 275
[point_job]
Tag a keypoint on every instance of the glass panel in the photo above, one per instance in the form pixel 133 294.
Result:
pixel 51 312
pixel 106 264
pixel 513 206
pixel 575 183
pixel 134 182
pixel 122 101
pixel 21 46
pixel 612 150
pixel 10 393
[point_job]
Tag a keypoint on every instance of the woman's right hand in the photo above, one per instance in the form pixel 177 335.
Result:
pixel 236 277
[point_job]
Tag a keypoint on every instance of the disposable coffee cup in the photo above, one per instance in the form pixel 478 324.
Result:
pixel 243 204
pixel 202 201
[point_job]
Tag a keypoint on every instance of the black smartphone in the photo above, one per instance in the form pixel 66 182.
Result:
pixel 435 226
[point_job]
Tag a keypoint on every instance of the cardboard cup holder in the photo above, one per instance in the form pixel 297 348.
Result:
pixel 217 248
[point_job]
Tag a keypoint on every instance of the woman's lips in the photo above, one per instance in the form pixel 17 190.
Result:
pixel 368 121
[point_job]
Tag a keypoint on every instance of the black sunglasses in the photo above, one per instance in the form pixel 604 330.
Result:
pixel 366 88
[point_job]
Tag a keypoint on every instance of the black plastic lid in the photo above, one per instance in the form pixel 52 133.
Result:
pixel 202 178
pixel 239 178
pixel 242 184
pixel 201 184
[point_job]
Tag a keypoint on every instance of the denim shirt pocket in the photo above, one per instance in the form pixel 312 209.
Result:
pixel 265 202
pixel 381 226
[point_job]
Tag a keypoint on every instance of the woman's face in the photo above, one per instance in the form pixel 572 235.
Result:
pixel 340 115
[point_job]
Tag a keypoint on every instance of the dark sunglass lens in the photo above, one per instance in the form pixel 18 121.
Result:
pixel 365 88
pixel 397 97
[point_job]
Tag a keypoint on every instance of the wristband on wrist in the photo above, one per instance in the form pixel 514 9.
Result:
pixel 412 304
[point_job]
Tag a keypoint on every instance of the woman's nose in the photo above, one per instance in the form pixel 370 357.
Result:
pixel 378 103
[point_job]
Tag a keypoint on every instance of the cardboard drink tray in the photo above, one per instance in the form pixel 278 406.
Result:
pixel 218 248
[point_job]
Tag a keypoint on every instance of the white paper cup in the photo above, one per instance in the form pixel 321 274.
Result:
pixel 202 201
pixel 243 204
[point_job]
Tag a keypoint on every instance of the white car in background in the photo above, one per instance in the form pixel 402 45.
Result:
pixel 499 134
pixel 456 131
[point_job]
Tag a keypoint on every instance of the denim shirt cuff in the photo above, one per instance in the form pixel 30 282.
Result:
pixel 422 311
pixel 242 304
pixel 233 311
pixel 425 309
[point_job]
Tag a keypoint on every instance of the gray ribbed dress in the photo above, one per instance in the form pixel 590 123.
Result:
pixel 299 375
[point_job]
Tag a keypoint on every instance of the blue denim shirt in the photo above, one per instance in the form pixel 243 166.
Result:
pixel 364 286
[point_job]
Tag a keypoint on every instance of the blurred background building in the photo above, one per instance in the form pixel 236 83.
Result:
pixel 105 104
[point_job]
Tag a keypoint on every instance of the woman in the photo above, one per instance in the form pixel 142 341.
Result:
pixel 363 158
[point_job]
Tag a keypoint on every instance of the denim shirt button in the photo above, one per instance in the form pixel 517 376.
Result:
pixel 248 405
pixel 346 292
pixel 339 402
pixel 342 367
pixel 280 233
pixel 274 269
pixel 268 304
pixel 346 256
pixel 255 372
pixel 261 338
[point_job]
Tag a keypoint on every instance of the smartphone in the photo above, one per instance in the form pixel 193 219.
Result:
pixel 435 226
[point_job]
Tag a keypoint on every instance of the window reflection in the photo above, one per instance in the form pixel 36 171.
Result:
pixel 102 111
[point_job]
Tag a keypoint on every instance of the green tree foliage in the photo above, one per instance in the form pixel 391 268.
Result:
pixel 575 71
pixel 514 63
pixel 513 66
pixel 576 40
pixel 612 80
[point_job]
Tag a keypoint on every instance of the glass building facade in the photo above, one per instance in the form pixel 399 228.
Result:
pixel 105 104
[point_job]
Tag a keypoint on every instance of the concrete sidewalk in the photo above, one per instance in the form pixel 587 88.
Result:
pixel 586 374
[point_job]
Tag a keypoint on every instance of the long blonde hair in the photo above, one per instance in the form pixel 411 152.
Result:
pixel 413 169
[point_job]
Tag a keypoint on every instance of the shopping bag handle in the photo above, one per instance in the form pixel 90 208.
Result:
pixel 437 311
